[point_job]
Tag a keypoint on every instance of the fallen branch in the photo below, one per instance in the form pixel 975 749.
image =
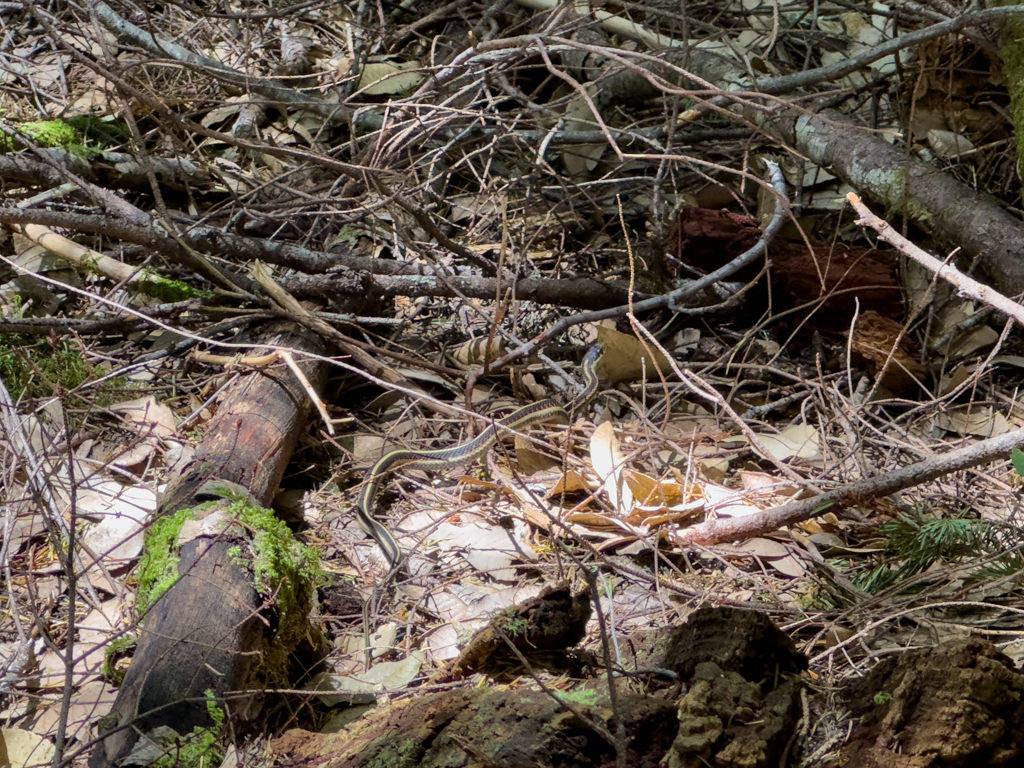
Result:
pixel 733 529
pixel 964 285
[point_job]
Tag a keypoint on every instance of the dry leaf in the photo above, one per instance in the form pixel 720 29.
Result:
pixel 775 554
pixel 796 440
pixel 581 159
pixel 681 513
pixel 651 492
pixel 531 460
pixel 948 144
pixel 488 548
pixel 727 503
pixel 386 676
pixel 20 748
pixel 570 482
pixel 977 421
pixel 387 78
pixel 626 359
pixel 607 459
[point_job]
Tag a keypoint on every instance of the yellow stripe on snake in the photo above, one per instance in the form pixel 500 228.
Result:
pixel 546 411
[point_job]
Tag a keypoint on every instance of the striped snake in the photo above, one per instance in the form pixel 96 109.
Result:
pixel 547 411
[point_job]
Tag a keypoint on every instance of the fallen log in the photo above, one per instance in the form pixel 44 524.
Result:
pixel 214 613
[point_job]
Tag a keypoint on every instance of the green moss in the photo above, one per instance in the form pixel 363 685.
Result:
pixel 89 263
pixel 285 571
pixel 201 748
pixel 105 132
pixel 583 696
pixel 406 754
pixel 116 389
pixel 158 569
pixel 160 288
pixel 1013 72
pixel 510 622
pixel 37 367
pixel 108 722
pixel 43 133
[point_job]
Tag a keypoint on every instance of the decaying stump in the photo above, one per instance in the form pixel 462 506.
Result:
pixel 961 703
pixel 720 690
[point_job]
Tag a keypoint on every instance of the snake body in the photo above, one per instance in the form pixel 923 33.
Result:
pixel 546 411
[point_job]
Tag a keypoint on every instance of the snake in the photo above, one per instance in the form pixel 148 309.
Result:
pixel 543 411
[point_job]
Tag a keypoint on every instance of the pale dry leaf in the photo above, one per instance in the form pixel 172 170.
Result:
pixel 535 389
pixel 608 462
pixel 530 460
pixel 625 546
pixel 948 317
pixel 948 144
pixel 953 379
pixel 148 415
pixel 383 677
pixel 419 374
pixel 488 548
pixel 625 359
pixel 795 441
pixel 89 702
pixel 831 545
pixel 108 498
pixel 977 421
pixel 466 207
pixel 218 115
pixel 727 503
pixel 570 482
pixel 19 749
pixel 581 159
pixel 693 427
pixel 775 554
pixel 756 481
pixel 123 513
pixel 790 565
pixel 1017 361
pixel 596 521
pixel 465 607
pixel 101 622
pixel 762 547
pixel 650 492
pixel 89 658
pixel 367 447
pixel 384 640
pixel 675 514
pixel 388 78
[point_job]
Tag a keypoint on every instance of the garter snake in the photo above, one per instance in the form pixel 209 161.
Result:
pixel 547 411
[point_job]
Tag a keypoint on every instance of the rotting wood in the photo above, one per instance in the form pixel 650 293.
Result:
pixel 205 632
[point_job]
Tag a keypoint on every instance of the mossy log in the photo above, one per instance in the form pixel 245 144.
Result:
pixel 207 633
